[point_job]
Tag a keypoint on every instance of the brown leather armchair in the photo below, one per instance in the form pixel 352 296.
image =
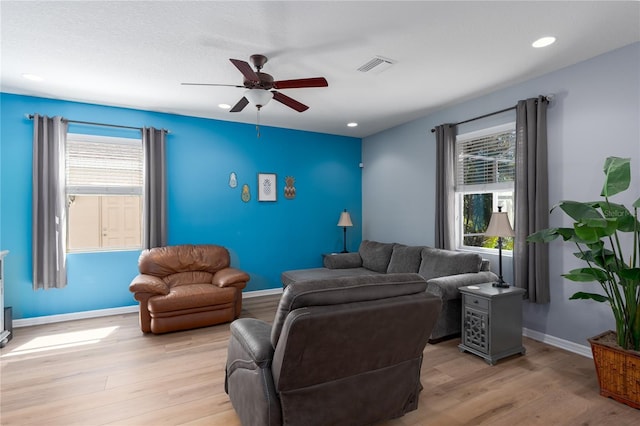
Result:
pixel 187 286
pixel 341 351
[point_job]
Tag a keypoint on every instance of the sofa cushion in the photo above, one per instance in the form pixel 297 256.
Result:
pixel 342 260
pixel 438 263
pixel 188 278
pixel 375 255
pixel 297 275
pixel 163 261
pixel 405 259
pixel 186 297
pixel 446 287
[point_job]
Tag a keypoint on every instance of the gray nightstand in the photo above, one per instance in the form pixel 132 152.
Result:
pixel 491 321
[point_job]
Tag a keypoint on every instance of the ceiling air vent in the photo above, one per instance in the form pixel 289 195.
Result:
pixel 377 65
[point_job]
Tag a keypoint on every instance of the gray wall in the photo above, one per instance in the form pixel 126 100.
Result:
pixel 595 113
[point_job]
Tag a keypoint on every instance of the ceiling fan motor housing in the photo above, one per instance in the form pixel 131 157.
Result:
pixel 266 82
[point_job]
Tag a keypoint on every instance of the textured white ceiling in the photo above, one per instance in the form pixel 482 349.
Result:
pixel 136 53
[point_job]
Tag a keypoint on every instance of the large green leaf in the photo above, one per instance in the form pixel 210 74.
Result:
pixel 550 234
pixel 592 296
pixel 617 173
pixel 544 236
pixel 568 234
pixel 586 275
pixel 599 223
pixel 637 204
pixel 579 211
pixel 592 234
pixel 623 217
pixel 586 233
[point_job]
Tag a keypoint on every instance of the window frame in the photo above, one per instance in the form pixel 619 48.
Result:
pixel 98 190
pixel 494 188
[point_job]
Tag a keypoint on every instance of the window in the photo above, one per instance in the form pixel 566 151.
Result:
pixel 104 179
pixel 485 174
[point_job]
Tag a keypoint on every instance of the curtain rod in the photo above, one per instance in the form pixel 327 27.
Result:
pixel 546 98
pixel 91 123
pixel 481 116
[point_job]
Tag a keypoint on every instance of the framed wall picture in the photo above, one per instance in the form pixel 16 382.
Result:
pixel 267 188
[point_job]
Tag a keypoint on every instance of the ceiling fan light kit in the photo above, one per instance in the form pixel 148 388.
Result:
pixel 258 97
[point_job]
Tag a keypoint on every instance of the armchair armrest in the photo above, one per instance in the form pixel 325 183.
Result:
pixel 253 338
pixel 144 283
pixel 249 347
pixel 229 277
pixel 447 287
pixel 248 378
pixel 342 260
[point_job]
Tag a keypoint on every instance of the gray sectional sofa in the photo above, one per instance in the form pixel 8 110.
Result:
pixel 444 270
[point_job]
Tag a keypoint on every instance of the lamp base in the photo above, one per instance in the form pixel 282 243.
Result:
pixel 501 285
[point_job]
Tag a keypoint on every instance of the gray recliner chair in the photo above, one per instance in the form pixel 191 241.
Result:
pixel 341 351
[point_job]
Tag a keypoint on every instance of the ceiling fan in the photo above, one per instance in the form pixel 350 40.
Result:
pixel 260 85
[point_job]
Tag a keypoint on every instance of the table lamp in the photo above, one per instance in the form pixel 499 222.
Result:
pixel 345 220
pixel 500 227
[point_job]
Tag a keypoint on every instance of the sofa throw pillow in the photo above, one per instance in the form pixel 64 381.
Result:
pixel 342 260
pixel 439 263
pixel 375 256
pixel 405 259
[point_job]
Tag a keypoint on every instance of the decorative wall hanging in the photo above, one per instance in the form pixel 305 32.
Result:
pixel 246 195
pixel 233 180
pixel 267 189
pixel 289 189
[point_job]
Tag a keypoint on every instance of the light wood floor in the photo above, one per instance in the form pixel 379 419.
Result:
pixel 104 371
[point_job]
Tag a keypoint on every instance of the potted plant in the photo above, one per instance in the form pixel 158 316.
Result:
pixel 607 236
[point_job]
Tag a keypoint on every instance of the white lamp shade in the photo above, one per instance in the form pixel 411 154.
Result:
pixel 499 226
pixel 258 97
pixel 345 219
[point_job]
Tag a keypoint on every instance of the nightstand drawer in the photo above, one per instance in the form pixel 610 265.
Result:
pixel 476 302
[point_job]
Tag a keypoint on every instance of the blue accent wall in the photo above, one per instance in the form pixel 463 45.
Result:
pixel 264 238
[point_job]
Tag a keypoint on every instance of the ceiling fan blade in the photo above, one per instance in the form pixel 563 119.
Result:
pixel 300 83
pixel 291 103
pixel 210 84
pixel 240 105
pixel 246 70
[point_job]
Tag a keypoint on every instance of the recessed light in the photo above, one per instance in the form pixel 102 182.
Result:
pixel 352 124
pixel 224 106
pixel 32 77
pixel 543 42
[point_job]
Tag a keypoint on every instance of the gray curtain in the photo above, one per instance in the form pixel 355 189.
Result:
pixel 155 193
pixel 531 261
pixel 445 186
pixel 49 220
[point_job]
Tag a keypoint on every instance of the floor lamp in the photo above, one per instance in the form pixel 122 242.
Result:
pixel 500 227
pixel 345 220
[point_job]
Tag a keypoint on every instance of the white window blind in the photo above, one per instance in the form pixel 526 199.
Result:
pixel 103 165
pixel 486 162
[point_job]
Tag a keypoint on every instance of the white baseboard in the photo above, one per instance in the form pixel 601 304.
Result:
pixel 558 343
pixel 258 293
pixel 50 319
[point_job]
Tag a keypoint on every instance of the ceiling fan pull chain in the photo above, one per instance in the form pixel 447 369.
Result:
pixel 258 123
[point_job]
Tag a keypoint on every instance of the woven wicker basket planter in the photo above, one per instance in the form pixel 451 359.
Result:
pixel 618 370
